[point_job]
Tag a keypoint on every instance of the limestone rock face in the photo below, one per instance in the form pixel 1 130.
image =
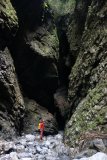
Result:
pixel 35 52
pixel 11 101
pixel 90 115
pixel 34 112
pixel 87 87
pixel 61 7
pixel 8 22
pixel 76 26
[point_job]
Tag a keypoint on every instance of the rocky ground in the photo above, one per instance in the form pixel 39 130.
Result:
pixel 30 147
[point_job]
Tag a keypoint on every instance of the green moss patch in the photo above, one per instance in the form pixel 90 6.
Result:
pixel 60 7
pixel 90 115
pixel 7 11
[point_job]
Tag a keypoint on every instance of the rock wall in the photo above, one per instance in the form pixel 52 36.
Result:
pixel 8 23
pixel 11 100
pixel 60 60
pixel 35 52
pixel 87 87
pixel 28 33
pixel 77 19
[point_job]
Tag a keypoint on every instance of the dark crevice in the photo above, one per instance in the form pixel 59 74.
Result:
pixel 25 10
pixel 1 127
pixel 60 119
pixel 96 64
pixel 65 59
pixel 64 65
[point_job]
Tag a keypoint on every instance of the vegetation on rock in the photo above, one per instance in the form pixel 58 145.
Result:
pixel 90 115
pixel 61 7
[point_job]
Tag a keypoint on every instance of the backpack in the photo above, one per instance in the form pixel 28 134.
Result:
pixel 39 126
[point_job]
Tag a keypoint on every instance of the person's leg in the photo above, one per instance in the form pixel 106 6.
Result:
pixel 41 134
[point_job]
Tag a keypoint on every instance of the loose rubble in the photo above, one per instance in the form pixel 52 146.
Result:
pixel 97 156
pixel 30 147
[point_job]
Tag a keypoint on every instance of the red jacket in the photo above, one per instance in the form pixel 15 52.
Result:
pixel 42 125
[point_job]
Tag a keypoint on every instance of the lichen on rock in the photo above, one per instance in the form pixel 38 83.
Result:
pixel 90 115
pixel 11 100
pixel 87 87
pixel 8 22
pixel 8 11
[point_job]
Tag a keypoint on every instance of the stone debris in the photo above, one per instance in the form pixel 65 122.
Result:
pixel 97 156
pixel 30 147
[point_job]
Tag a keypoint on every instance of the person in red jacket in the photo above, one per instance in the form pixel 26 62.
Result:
pixel 41 128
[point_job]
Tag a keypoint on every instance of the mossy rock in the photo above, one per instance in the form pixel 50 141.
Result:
pixel 50 44
pixel 90 115
pixel 8 13
pixel 61 8
pixel 8 23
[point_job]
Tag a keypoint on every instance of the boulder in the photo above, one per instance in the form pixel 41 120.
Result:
pixel 13 156
pixel 34 112
pixel 86 153
pixel 98 156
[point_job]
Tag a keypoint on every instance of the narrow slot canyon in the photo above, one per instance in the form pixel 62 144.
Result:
pixel 53 67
